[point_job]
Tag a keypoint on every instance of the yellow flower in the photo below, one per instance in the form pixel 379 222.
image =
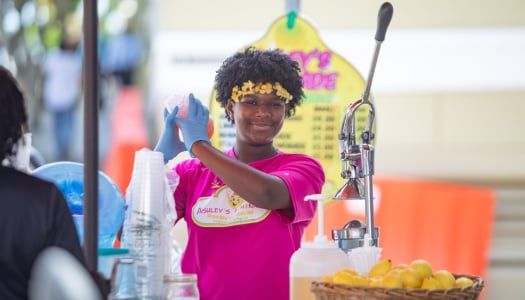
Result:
pixel 236 93
pixel 264 88
pixel 260 88
pixel 282 92
pixel 247 87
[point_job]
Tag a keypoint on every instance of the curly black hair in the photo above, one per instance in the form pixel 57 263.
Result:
pixel 13 115
pixel 259 66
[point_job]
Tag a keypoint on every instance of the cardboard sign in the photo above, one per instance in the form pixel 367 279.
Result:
pixel 331 84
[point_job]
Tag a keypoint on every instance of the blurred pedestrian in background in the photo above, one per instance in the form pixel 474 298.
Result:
pixel 62 70
pixel 122 56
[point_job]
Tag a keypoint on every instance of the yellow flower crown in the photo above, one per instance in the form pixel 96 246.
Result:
pixel 260 88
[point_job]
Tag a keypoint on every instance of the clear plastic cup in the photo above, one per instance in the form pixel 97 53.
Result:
pixel 147 187
pixel 181 99
pixel 107 258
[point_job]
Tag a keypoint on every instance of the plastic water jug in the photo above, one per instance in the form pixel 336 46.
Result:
pixel 314 259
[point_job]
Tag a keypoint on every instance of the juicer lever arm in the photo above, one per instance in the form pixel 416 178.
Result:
pixel 383 20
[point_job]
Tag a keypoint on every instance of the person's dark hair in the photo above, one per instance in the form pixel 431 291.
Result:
pixel 259 66
pixel 13 114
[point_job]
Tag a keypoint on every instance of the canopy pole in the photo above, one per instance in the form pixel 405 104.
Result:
pixel 90 134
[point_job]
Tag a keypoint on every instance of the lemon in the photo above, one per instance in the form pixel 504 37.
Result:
pixel 327 278
pixel 430 283
pixel 446 278
pixel 342 278
pixel 462 282
pixel 349 271
pixel 392 280
pixel 350 279
pixel 410 278
pixel 359 280
pixel 400 267
pixel 397 271
pixel 423 267
pixel 375 281
pixel 381 268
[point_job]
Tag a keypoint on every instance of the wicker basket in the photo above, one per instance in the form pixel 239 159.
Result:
pixel 331 291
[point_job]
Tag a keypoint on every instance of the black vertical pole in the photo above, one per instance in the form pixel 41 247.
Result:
pixel 90 134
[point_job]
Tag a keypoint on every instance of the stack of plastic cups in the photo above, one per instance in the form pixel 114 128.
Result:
pixel 143 230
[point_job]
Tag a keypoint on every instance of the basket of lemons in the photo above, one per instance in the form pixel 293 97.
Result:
pixel 415 280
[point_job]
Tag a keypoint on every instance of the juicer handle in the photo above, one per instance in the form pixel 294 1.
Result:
pixel 383 20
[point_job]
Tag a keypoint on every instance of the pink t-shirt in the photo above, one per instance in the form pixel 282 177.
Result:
pixel 237 250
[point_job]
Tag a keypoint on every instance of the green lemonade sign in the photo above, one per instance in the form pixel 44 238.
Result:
pixel 331 84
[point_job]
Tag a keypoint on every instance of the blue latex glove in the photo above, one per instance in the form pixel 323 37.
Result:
pixel 169 142
pixel 195 125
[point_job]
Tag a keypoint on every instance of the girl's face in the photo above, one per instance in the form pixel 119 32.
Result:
pixel 258 117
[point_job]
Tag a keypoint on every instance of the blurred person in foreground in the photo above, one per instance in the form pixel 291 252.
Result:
pixel 244 208
pixel 33 213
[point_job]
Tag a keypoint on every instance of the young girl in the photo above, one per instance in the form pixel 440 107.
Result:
pixel 244 208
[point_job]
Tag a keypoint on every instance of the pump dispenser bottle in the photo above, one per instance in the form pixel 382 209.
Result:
pixel 316 258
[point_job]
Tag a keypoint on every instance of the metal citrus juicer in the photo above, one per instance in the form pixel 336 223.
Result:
pixel 358 159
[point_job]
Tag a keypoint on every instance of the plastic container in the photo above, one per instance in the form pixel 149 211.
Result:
pixel 180 99
pixel 181 287
pixel 69 178
pixel 314 259
pixel 122 282
pixel 107 258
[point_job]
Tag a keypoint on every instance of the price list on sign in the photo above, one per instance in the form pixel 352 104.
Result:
pixel 331 84
pixel 319 124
